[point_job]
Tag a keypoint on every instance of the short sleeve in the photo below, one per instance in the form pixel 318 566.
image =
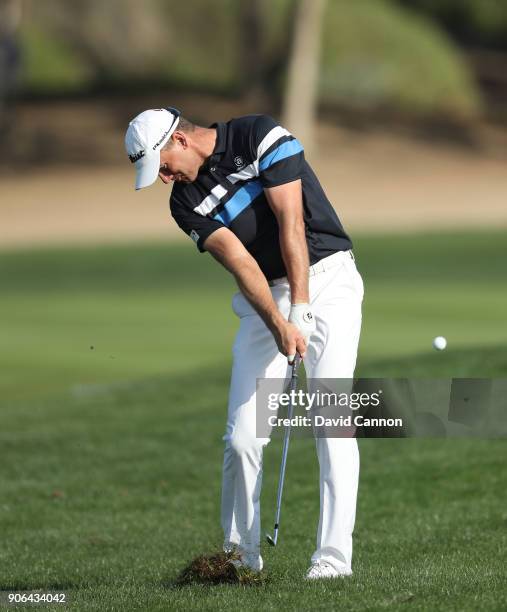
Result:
pixel 198 227
pixel 279 155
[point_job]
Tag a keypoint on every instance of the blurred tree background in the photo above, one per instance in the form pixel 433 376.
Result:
pixel 404 59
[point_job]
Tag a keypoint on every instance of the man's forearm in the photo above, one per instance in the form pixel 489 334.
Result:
pixel 295 257
pixel 254 286
pixel 286 201
pixel 226 248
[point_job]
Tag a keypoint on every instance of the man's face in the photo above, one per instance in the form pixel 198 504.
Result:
pixel 179 162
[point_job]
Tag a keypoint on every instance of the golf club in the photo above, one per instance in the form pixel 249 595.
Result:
pixel 292 387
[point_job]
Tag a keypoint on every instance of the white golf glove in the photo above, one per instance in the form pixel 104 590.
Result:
pixel 301 316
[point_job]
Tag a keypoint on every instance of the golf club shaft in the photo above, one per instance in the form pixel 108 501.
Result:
pixel 286 439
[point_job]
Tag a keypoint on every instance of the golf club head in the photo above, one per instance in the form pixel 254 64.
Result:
pixel 270 540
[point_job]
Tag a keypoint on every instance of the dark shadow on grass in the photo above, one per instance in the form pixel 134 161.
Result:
pixel 40 586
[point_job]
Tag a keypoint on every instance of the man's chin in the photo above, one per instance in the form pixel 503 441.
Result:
pixel 184 178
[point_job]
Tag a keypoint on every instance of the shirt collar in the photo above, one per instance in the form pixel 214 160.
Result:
pixel 220 144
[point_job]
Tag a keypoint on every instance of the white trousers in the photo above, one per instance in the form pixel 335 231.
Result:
pixel 336 294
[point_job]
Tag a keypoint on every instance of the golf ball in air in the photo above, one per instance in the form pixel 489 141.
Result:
pixel 439 343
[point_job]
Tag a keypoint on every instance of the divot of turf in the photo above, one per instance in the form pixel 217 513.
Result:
pixel 218 568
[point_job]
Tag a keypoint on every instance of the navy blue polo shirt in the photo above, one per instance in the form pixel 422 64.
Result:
pixel 252 153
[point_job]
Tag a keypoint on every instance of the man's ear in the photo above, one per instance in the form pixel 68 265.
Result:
pixel 180 138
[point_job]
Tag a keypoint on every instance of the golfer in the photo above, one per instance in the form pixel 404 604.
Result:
pixel 244 192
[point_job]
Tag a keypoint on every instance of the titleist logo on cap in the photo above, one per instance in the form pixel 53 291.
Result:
pixel 136 156
pixel 161 139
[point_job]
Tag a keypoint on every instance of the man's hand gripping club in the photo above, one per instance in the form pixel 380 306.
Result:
pixel 301 317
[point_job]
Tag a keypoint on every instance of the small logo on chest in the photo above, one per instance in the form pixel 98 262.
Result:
pixel 238 162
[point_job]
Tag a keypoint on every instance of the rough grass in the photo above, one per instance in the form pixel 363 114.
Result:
pixel 110 495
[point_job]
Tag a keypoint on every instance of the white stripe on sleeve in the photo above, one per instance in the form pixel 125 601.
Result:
pixel 252 170
pixel 270 138
pixel 209 203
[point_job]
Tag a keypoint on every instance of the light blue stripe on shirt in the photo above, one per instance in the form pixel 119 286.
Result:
pixel 286 149
pixel 239 201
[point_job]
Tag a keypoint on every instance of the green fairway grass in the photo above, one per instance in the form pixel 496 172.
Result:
pixel 154 309
pixel 111 456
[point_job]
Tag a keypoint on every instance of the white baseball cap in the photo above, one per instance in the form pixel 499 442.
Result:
pixel 146 135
